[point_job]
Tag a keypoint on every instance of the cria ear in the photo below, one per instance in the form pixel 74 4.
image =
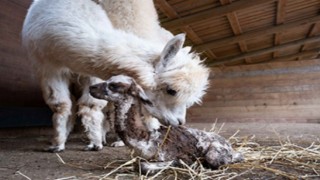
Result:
pixel 137 91
pixel 170 51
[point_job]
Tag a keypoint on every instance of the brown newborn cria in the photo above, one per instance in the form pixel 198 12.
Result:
pixel 159 144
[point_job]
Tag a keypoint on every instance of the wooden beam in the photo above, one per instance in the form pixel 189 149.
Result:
pixel 294 56
pixel 171 13
pixel 256 33
pixel 281 13
pixel 312 32
pixel 263 51
pixel 215 12
pixel 236 28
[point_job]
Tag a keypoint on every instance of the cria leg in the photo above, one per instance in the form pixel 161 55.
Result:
pixel 55 87
pixel 92 117
pixel 118 143
pixel 152 167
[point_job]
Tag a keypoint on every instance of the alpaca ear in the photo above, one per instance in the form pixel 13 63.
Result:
pixel 137 91
pixel 187 49
pixel 170 51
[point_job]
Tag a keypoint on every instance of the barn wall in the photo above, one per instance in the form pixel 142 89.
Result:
pixel 284 91
pixel 21 102
pixel 18 84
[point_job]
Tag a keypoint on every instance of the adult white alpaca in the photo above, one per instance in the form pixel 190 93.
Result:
pixel 67 36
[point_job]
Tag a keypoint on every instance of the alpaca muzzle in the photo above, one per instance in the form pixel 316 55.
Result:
pixel 98 90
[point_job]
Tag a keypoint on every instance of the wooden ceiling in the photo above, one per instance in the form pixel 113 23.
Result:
pixel 233 32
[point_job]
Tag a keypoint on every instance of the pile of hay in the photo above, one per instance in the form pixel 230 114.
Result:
pixel 283 161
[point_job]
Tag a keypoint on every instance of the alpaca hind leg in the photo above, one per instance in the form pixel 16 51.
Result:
pixel 55 87
pixel 91 113
pixel 72 119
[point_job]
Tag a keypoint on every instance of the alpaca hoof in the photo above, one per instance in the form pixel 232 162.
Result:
pixel 119 143
pixel 93 148
pixel 54 149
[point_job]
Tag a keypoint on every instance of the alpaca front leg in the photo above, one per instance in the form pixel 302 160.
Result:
pixel 60 126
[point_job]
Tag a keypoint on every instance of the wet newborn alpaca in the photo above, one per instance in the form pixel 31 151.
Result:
pixel 163 145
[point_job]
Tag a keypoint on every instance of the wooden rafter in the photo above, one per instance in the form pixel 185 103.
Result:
pixel 264 51
pixel 216 12
pixel 236 28
pixel 314 52
pixel 312 32
pixel 171 13
pixel 257 33
pixel 281 13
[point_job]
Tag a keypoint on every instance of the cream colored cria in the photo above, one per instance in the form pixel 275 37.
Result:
pixel 64 37
pixel 159 143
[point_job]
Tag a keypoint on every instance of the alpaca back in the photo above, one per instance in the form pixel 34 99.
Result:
pixel 138 17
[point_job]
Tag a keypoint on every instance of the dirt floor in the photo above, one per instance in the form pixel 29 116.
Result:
pixel 21 157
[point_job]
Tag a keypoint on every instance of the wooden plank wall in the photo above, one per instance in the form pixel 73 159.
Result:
pixel 18 84
pixel 278 92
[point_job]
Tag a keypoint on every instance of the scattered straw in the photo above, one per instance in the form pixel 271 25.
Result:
pixel 121 166
pixel 60 159
pixel 283 160
pixel 20 173
pixel 67 178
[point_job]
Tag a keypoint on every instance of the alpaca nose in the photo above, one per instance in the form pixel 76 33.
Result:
pixel 93 89
pixel 97 91
pixel 173 122
pixel 181 121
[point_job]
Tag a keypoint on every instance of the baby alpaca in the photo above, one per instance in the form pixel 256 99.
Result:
pixel 163 145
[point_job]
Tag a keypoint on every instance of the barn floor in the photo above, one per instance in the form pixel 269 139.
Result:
pixel 21 157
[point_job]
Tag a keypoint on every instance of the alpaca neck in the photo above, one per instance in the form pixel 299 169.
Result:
pixel 130 55
pixel 122 109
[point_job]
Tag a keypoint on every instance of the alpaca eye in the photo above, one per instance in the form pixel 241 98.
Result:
pixel 171 91
pixel 113 87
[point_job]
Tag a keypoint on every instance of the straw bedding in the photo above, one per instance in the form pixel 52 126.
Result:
pixel 281 160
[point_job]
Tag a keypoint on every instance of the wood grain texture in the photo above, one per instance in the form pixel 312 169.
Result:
pixel 286 91
pixel 18 83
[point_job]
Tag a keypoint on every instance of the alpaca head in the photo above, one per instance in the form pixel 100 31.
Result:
pixel 118 89
pixel 181 80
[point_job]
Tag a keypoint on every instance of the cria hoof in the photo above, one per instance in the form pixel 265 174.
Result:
pixel 118 144
pixel 53 149
pixel 93 148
